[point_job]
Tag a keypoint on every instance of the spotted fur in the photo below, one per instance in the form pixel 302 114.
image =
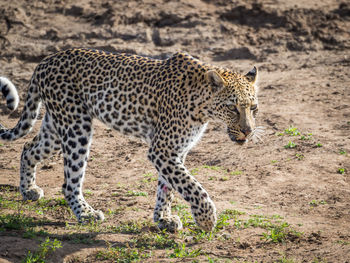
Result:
pixel 167 103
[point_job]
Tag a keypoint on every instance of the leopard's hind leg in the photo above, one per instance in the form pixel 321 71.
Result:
pixel 76 140
pixel 162 211
pixel 44 145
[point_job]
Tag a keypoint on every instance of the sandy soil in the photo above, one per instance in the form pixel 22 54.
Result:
pixel 302 51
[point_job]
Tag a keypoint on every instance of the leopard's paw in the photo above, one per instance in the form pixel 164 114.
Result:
pixel 33 194
pixel 88 216
pixel 170 223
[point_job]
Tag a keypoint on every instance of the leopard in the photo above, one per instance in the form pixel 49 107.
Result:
pixel 167 103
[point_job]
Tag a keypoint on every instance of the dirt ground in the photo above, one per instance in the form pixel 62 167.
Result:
pixel 301 49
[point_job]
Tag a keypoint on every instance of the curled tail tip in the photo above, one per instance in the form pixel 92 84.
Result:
pixel 10 93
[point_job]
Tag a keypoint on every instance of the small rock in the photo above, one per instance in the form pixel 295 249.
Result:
pixel 160 40
pixel 226 236
pixel 74 11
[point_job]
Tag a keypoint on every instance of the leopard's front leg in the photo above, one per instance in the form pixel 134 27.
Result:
pixel 174 175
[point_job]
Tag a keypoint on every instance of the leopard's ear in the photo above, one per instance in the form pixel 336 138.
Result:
pixel 215 80
pixel 252 75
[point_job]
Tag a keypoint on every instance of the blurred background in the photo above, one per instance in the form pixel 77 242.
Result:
pixel 300 174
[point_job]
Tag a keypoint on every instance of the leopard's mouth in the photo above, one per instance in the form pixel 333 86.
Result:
pixel 241 142
pixel 238 141
pixel 255 136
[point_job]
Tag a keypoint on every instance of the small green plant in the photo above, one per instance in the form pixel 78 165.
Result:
pixel 129 227
pixel 224 178
pixel 90 226
pixel 222 222
pixel 277 230
pixel 318 260
pixel 151 240
pixel 342 152
pixel 195 171
pixel 53 203
pixel 210 260
pixel 45 248
pixel 225 216
pixel 275 235
pixel 276 217
pixel 284 259
pixel 122 254
pixel 134 193
pixel 292 131
pixel 290 145
pixel 280 232
pixel 185 216
pixel 15 222
pixel 318 145
pixel 34 233
pixel 341 170
pixel 306 137
pixel 115 211
pixel 214 168
pixel 237 172
pixel 343 242
pixel 232 213
pixel 258 221
pixel 78 238
pixel 299 156
pixel 180 251
pixel 179 207
pixel 88 192
pixel 314 203
pixel 149 177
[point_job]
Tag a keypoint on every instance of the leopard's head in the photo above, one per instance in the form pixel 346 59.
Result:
pixel 234 101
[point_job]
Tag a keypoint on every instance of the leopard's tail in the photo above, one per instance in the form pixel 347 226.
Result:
pixel 10 93
pixel 30 111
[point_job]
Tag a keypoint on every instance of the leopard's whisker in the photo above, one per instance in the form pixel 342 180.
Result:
pixel 258 138
pixel 257 134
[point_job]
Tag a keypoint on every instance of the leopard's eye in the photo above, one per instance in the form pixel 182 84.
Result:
pixel 232 107
pixel 254 107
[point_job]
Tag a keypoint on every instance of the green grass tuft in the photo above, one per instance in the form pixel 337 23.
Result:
pixel 45 248
pixel 341 171
pixel 182 252
pixel 290 145
pixel 122 254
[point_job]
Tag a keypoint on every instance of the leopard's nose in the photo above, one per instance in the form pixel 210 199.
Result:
pixel 247 131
